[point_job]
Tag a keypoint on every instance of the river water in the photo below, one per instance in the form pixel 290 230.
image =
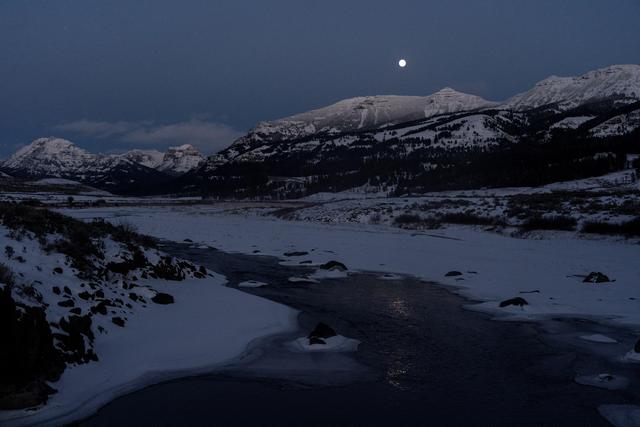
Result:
pixel 423 360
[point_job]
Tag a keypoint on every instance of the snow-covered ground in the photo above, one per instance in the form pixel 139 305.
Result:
pixel 548 272
pixel 209 326
pixel 205 327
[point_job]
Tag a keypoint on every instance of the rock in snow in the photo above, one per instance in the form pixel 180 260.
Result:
pixel 596 277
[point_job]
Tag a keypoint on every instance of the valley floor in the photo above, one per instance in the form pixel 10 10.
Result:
pixel 487 262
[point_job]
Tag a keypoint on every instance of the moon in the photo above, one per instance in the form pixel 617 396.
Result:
pixel 402 63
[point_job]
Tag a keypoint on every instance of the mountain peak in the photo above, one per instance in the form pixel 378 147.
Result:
pixel 448 90
pixel 49 144
pixel 50 148
pixel 180 159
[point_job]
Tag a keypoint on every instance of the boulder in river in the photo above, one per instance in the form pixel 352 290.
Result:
pixel 296 253
pixel 453 274
pixel 518 301
pixel 322 330
pixel 316 340
pixel 637 347
pixel 596 277
pixel 334 265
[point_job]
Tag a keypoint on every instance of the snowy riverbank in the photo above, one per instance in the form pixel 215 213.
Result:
pixel 494 267
pixel 135 338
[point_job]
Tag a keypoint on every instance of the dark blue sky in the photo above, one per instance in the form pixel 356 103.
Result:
pixel 116 74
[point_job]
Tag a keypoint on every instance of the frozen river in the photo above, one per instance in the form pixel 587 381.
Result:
pixel 424 360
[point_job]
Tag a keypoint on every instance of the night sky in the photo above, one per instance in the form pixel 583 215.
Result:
pixel 110 75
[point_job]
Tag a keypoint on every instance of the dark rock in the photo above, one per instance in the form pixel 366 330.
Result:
pixel 67 290
pixel 28 357
pixel 99 294
pixel 133 297
pixel 296 253
pixel 322 330
pixel 334 265
pixel 80 325
pixel 56 290
pixel 453 274
pixel 637 347
pixel 596 277
pixel 57 270
pixel 22 396
pixel 188 240
pixel 118 321
pixel 316 340
pixel 514 301
pixel 100 308
pixel 84 295
pixel 76 310
pixel 307 261
pixel 66 303
pixel 162 298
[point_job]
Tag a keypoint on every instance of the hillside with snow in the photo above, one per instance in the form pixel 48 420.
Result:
pixel 104 310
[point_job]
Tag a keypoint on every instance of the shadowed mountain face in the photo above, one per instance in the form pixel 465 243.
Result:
pixel 563 128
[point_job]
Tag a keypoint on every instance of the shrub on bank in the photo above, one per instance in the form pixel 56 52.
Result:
pixel 555 222
pixel 628 228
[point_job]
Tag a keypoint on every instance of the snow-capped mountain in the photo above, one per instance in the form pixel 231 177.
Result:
pixel 621 82
pixel 352 115
pixel 52 157
pixel 58 158
pixel 434 141
pixel 369 112
pixel 178 160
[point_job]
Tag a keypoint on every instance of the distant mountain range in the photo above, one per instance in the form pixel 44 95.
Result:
pixel 134 172
pixel 562 128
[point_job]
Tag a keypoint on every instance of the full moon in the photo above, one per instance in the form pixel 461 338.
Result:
pixel 402 63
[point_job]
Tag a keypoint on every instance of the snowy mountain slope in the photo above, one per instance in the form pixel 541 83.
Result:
pixel 571 122
pixel 352 115
pixel 617 81
pixel 618 125
pixel 368 113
